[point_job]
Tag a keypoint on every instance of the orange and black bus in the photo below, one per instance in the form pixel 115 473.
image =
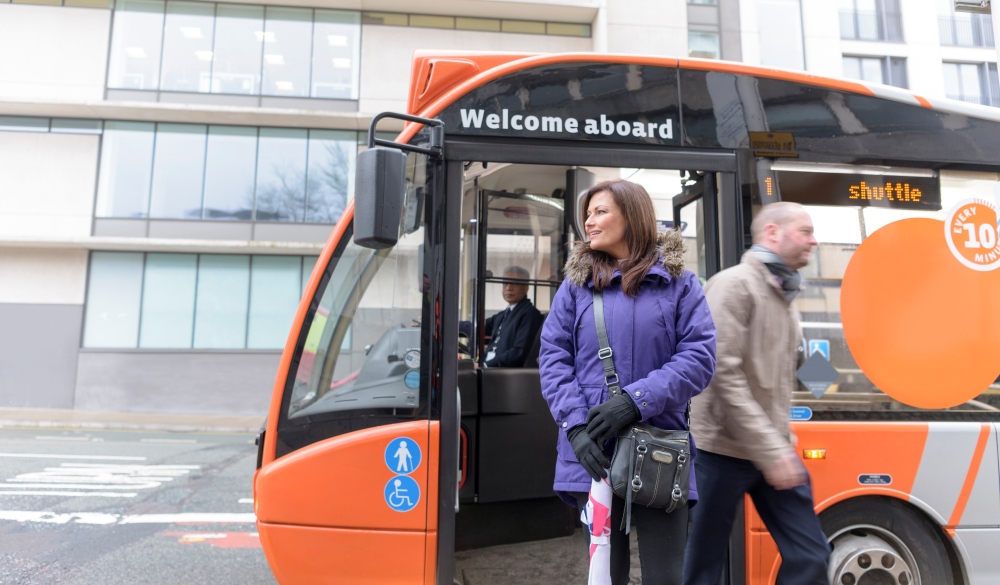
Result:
pixel 387 448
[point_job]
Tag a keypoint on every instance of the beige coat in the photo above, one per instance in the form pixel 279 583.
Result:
pixel 744 411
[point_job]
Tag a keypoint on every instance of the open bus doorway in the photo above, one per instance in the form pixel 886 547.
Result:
pixel 510 526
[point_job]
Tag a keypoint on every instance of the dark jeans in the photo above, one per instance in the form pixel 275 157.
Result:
pixel 788 515
pixel 661 539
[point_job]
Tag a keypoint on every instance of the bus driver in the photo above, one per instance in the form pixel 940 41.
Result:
pixel 512 330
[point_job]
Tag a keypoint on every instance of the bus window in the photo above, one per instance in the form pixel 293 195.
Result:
pixel 839 231
pixel 356 366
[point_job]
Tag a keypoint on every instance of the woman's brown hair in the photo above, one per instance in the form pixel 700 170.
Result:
pixel 640 236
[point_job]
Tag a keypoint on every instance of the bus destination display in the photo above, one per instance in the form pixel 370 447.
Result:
pixel 858 190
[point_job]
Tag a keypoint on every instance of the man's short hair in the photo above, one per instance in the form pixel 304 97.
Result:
pixel 517 272
pixel 779 214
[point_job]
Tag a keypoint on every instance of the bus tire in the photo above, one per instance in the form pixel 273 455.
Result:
pixel 887 541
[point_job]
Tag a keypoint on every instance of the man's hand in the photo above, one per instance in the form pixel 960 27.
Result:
pixel 785 473
pixel 588 453
pixel 607 418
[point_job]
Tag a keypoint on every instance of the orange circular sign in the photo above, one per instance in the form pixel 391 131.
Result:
pixel 970 229
pixel 922 327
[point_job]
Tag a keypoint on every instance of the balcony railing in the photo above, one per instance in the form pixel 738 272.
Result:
pixel 984 100
pixel 966 30
pixel 865 25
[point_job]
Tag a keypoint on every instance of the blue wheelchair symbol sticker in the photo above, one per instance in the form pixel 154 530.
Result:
pixel 402 493
pixel 402 456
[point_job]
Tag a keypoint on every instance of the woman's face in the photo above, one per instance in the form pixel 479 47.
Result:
pixel 605 226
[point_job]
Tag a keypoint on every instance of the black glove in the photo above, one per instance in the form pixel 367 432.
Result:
pixel 587 451
pixel 606 419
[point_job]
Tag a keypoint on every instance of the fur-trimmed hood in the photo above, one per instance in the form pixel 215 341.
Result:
pixel 669 245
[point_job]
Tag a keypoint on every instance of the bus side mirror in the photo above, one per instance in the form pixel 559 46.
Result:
pixel 380 189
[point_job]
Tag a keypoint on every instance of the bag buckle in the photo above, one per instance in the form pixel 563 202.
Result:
pixel 609 382
pixel 604 353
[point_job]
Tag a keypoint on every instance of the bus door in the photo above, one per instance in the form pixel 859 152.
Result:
pixel 348 485
pixel 519 206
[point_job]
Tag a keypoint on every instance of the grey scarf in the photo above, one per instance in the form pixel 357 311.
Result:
pixel 790 279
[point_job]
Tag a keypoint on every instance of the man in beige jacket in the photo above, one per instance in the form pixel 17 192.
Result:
pixel 740 422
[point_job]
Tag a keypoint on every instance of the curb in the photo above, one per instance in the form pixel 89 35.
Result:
pixel 120 426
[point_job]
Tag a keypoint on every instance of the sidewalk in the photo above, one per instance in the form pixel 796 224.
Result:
pixel 42 418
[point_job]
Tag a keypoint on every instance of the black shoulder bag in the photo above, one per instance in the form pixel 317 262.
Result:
pixel 650 466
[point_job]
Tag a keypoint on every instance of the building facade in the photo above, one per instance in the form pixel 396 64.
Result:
pixel 170 169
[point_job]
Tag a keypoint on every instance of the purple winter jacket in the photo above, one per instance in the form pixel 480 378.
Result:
pixel 663 342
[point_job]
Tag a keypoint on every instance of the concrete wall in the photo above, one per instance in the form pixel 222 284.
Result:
pixel 231 383
pixel 387 52
pixel 38 350
pixel 646 27
pixel 56 277
pixel 52 52
pixel 47 182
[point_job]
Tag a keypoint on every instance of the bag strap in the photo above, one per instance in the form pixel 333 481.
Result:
pixel 605 353
pixel 611 379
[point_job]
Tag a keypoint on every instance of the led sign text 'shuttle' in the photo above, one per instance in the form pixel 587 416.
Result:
pixel 890 191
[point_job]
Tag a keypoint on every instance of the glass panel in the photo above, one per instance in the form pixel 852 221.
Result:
pixel 971 91
pixel 331 174
pixel 126 169
pixel 220 319
pixel 897 72
pixel 484 24
pixel 952 84
pixel 385 18
pixel 281 174
pixel 523 26
pixel 24 124
pixel 708 2
pixel 73 126
pixel 114 289
pixel 569 30
pixel 275 289
pixel 839 230
pixel 229 172
pixel 168 301
pixel 852 68
pixel 178 171
pixel 287 49
pixel 239 37
pixel 187 46
pixel 336 54
pixel 88 3
pixel 871 70
pixel 703 44
pixel 135 44
pixel 308 263
pixel 429 21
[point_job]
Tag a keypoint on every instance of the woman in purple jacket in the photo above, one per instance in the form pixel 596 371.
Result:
pixel 663 340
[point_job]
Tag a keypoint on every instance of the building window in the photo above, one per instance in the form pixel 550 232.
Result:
pixel 885 70
pixel 192 301
pixel 182 46
pixel 964 29
pixel 531 27
pixel 703 44
pixel 972 82
pixel 58 125
pixel 871 20
pixel 196 171
pixel 780 26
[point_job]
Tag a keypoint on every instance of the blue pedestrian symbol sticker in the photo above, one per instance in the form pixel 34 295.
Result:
pixel 402 493
pixel 402 456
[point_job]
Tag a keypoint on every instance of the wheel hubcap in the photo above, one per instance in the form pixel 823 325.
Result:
pixel 868 555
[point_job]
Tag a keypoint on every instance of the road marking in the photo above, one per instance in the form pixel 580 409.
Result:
pixel 245 501
pixel 50 456
pixel 93 476
pixel 69 494
pixel 97 518
pixel 218 539
pixel 50 438
pixel 188 518
pixel 167 441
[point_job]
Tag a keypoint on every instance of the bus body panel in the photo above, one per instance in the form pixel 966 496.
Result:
pixel 307 555
pixel 330 497
pixel 950 471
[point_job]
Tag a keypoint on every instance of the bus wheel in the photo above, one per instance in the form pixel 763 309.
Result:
pixel 882 541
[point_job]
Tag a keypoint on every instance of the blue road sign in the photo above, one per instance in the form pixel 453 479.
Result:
pixel 800 413
pixel 402 455
pixel 820 345
pixel 402 493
